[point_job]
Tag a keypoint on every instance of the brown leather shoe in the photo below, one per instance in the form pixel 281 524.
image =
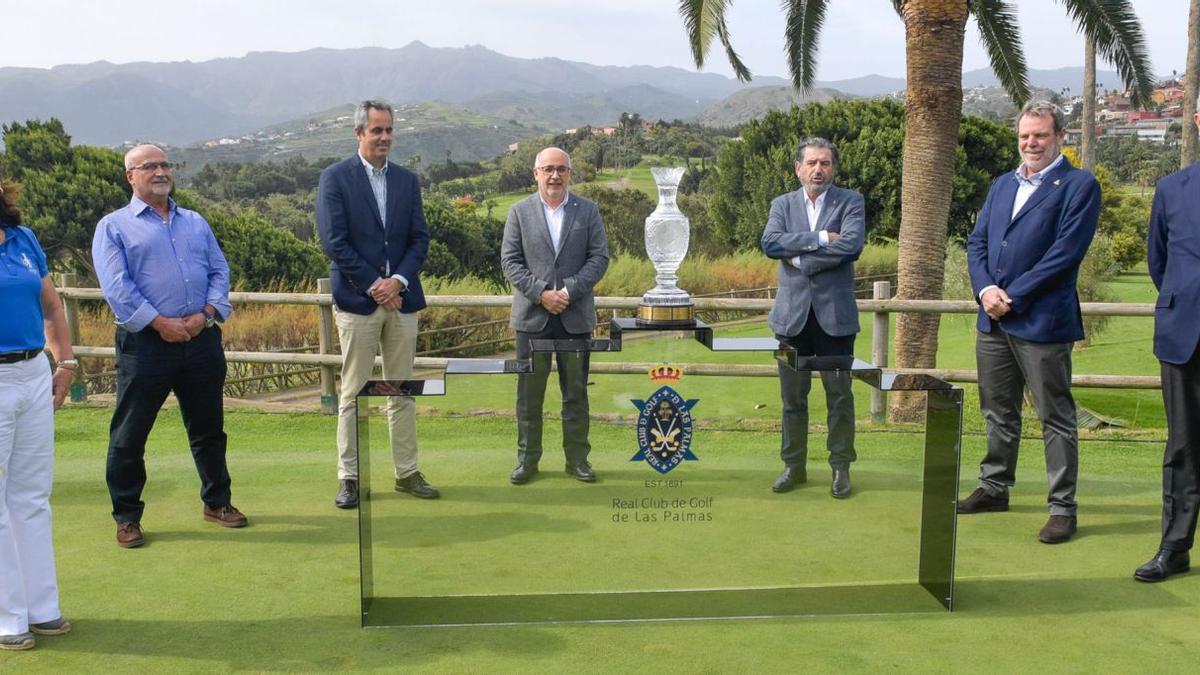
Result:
pixel 1057 530
pixel 225 516
pixel 129 535
pixel 980 501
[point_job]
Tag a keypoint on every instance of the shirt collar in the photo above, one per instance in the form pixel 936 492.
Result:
pixel 1037 178
pixel 814 203
pixel 139 207
pixel 371 170
pixel 566 198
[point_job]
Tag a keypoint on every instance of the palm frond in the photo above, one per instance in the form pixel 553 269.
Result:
pixel 702 21
pixel 739 69
pixel 997 21
pixel 1117 33
pixel 803 29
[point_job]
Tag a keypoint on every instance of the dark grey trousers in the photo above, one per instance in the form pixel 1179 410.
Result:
pixel 531 394
pixel 1181 461
pixel 1007 365
pixel 794 386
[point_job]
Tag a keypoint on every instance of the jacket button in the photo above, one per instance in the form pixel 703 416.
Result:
pixel 1004 243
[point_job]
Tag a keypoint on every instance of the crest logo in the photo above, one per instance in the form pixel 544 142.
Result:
pixel 664 425
pixel 26 261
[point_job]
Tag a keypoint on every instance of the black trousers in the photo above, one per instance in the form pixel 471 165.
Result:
pixel 148 369
pixel 531 393
pixel 1181 461
pixel 794 387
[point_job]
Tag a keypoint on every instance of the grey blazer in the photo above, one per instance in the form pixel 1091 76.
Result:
pixel 824 280
pixel 530 262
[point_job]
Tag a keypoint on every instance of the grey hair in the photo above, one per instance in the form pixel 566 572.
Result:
pixel 1043 109
pixel 816 142
pixel 564 152
pixel 361 110
pixel 138 150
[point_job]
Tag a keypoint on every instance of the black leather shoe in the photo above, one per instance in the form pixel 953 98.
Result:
pixel 523 472
pixel 1164 564
pixel 1057 530
pixel 582 471
pixel 347 496
pixel 840 486
pixel 415 485
pixel 980 501
pixel 790 478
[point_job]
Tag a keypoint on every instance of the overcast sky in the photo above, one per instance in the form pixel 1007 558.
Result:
pixel 860 37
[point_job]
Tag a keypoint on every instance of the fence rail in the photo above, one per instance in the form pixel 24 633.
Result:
pixel 881 305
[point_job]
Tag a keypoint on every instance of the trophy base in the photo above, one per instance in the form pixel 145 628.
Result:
pixel 666 315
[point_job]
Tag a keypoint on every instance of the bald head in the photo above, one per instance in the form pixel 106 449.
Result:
pixel 137 155
pixel 552 171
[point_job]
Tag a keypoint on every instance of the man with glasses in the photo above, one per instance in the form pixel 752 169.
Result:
pixel 554 252
pixel 167 282
pixel 373 229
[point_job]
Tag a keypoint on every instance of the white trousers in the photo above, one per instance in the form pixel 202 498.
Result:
pixel 394 335
pixel 28 581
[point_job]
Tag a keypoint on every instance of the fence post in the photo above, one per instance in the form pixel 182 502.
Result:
pixel 78 388
pixel 881 290
pixel 325 346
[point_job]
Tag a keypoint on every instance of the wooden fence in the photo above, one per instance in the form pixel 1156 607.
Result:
pixel 881 305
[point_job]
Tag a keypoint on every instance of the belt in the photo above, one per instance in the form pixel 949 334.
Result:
pixel 15 357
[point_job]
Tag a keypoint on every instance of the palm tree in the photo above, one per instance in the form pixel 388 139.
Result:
pixel 1087 118
pixel 1191 86
pixel 934 31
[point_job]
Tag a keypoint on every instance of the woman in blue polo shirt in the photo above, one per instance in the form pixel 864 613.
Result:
pixel 29 395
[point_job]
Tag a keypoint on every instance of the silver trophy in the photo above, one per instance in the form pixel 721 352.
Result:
pixel 667 235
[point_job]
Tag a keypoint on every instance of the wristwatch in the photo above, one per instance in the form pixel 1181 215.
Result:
pixel 210 320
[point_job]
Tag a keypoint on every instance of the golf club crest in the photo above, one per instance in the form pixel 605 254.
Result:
pixel 664 423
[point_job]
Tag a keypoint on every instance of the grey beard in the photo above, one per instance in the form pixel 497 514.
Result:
pixel 816 189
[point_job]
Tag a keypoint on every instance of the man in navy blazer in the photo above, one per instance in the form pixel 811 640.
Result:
pixel 816 233
pixel 1023 257
pixel 373 229
pixel 1174 255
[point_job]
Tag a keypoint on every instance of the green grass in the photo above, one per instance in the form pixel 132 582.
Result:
pixel 282 594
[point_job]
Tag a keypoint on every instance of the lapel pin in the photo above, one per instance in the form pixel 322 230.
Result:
pixel 1057 181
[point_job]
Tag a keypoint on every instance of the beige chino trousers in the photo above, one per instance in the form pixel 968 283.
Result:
pixel 394 336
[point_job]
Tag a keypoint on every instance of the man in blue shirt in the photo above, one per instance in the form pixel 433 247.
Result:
pixel 167 282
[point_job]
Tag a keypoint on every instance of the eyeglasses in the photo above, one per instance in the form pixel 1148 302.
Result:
pixel 560 170
pixel 153 166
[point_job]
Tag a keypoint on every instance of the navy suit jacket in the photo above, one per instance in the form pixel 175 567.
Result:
pixel 1174 255
pixel 1035 256
pixel 359 248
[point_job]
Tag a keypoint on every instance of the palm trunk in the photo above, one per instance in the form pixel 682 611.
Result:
pixel 934 31
pixel 1087 121
pixel 1191 87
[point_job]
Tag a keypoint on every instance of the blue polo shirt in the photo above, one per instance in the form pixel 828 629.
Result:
pixel 22 267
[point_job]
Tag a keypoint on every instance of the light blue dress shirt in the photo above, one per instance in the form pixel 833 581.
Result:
pixel 148 266
pixel 378 180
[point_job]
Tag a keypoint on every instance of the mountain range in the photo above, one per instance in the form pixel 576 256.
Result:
pixel 182 103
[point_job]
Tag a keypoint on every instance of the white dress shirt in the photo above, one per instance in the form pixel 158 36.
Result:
pixel 813 207
pixel 554 221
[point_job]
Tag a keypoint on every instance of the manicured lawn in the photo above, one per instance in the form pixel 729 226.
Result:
pixel 282 594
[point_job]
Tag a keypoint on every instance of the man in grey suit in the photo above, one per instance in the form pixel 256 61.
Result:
pixel 554 252
pixel 816 233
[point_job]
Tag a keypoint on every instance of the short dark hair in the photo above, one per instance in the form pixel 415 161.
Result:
pixel 363 108
pixel 1043 109
pixel 9 213
pixel 816 142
